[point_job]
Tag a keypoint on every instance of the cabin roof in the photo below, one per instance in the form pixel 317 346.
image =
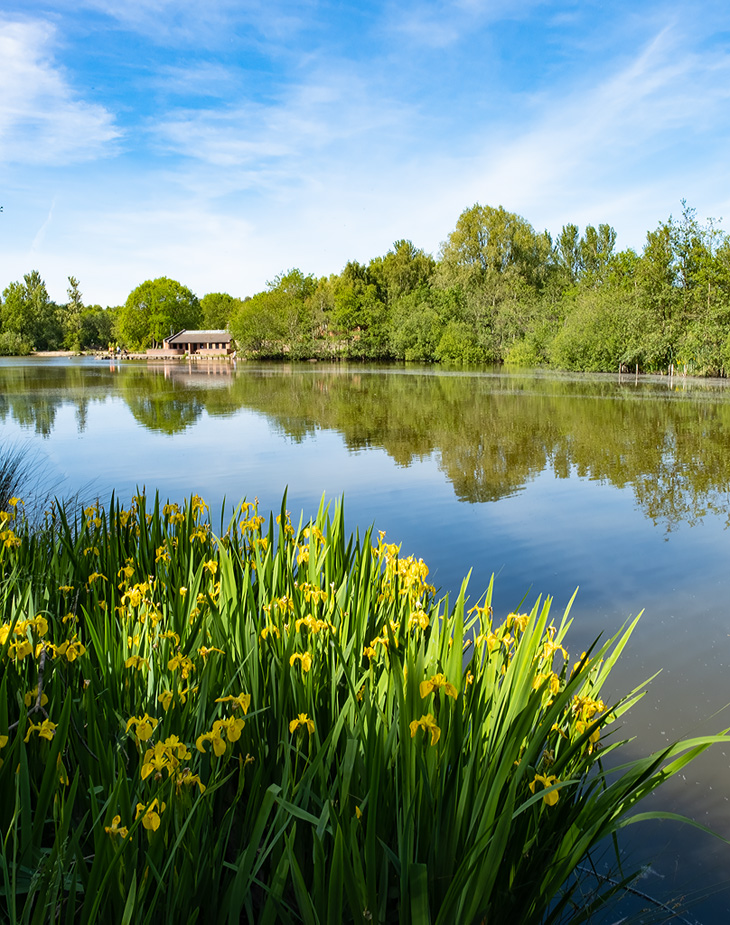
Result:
pixel 199 337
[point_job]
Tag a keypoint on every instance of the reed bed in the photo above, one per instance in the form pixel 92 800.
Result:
pixel 18 466
pixel 268 722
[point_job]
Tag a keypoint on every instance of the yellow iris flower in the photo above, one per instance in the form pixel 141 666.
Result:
pixel 428 723
pixel 491 640
pixel 115 828
pixel 150 816
pixel 144 726
pixel 182 662
pixel 232 727
pixel 136 661
pixel 17 651
pixel 45 730
pixel 165 699
pixel 304 660
pixel 156 760
pixel 215 737
pixel 187 778
pixel 418 618
pixel 520 620
pixel 30 698
pixel 302 721
pixel 243 701
pixel 435 683
pixel 550 799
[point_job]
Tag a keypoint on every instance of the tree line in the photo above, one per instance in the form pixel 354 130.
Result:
pixel 497 292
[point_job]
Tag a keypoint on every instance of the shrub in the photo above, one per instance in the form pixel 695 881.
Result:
pixel 13 344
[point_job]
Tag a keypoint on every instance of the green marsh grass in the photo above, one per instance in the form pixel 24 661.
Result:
pixel 18 467
pixel 267 722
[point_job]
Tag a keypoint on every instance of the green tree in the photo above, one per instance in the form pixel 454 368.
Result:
pixel 568 253
pixel 404 269
pixel 97 327
pixel 596 249
pixel 358 315
pixel 292 292
pixel 217 308
pixel 13 345
pixel 155 310
pixel 71 314
pixel 500 264
pixel 254 326
pixel 594 335
pixel 28 312
pixel 491 247
pixel 279 321
pixel 702 262
pixel 416 327
pixel 655 323
pixel 692 246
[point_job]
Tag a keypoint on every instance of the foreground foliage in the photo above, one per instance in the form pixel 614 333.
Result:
pixel 282 724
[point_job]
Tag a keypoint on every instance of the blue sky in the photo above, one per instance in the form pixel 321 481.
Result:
pixel 224 141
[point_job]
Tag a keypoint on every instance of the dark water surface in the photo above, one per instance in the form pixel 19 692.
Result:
pixel 552 482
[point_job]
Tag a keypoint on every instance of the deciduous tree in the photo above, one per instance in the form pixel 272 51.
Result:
pixel 217 308
pixel 71 314
pixel 28 312
pixel 156 309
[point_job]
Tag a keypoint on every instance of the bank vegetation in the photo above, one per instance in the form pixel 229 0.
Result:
pixel 249 719
pixel 498 292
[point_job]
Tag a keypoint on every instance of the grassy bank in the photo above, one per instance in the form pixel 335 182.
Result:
pixel 259 721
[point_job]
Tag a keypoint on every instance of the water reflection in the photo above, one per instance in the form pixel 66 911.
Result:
pixel 403 445
pixel 491 433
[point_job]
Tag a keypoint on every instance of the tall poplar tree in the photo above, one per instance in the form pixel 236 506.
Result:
pixel 71 314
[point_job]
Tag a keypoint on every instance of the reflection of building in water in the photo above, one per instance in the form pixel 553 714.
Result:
pixel 195 343
pixel 190 373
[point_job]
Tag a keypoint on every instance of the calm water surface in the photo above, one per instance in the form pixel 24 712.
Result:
pixel 619 488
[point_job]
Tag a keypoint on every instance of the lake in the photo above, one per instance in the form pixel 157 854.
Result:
pixel 617 487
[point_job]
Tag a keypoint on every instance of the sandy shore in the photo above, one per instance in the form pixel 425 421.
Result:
pixel 58 353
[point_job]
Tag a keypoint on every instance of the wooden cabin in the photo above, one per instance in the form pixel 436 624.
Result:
pixel 196 343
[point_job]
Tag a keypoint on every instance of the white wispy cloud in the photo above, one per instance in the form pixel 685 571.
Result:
pixel 197 79
pixel 42 118
pixel 293 138
pixel 441 23
pixel 625 140
pixel 202 24
pixel 41 233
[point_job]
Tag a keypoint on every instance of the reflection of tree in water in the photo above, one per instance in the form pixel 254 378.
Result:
pixel 82 413
pixel 30 413
pixel 492 433
pixel 32 395
pixel 673 453
pixel 364 407
pixel 161 404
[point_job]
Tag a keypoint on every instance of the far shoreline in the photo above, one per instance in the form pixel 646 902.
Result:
pixel 105 355
pixel 59 353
